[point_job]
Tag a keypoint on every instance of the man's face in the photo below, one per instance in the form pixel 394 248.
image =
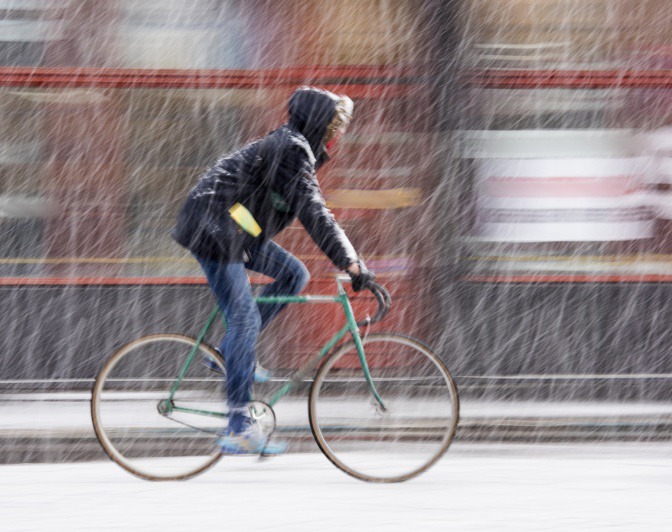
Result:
pixel 339 124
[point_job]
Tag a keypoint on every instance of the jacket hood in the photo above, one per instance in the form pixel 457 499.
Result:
pixel 310 112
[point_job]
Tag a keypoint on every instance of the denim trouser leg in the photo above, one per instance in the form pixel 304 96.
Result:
pixel 232 290
pixel 289 274
pixel 244 317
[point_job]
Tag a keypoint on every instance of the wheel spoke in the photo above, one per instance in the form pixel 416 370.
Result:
pixel 138 423
pixel 398 442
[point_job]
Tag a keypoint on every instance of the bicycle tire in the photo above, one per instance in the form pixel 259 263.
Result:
pixel 125 408
pixel 384 446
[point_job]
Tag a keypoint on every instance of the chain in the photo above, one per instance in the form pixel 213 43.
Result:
pixel 199 429
pixel 214 431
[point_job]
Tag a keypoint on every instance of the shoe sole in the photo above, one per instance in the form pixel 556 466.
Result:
pixel 236 450
pixel 242 452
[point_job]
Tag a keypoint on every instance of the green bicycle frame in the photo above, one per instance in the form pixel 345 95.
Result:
pixel 304 371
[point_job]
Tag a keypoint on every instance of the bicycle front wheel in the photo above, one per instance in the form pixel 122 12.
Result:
pixel 405 435
pixel 140 428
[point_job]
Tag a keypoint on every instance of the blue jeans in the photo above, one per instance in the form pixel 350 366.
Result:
pixel 245 318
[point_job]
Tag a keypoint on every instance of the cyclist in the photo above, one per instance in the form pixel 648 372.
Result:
pixel 229 219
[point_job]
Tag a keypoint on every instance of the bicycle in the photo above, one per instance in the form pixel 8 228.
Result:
pixel 384 416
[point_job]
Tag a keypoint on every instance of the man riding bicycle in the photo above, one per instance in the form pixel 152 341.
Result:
pixel 229 219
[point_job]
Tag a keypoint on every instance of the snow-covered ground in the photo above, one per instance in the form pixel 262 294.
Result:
pixel 607 487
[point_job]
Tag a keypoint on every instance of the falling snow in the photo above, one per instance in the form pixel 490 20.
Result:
pixel 507 176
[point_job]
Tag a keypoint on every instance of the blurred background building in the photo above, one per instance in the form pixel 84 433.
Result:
pixel 507 173
pixel 112 110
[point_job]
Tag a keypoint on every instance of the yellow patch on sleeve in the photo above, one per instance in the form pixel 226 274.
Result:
pixel 244 219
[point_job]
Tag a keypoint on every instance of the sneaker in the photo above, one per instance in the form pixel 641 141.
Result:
pixel 250 440
pixel 261 374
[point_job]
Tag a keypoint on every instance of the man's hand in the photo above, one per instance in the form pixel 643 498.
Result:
pixel 360 275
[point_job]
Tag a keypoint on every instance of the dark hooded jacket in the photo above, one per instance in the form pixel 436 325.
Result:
pixel 274 178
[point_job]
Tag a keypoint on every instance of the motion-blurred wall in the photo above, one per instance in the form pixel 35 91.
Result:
pixel 108 123
pixel 110 111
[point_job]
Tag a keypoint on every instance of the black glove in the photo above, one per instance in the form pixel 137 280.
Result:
pixel 363 279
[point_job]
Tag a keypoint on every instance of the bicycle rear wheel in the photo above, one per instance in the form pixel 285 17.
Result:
pixel 136 425
pixel 406 437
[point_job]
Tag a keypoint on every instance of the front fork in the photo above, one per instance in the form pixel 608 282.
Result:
pixel 354 331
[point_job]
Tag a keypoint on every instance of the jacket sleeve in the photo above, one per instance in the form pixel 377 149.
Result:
pixel 295 181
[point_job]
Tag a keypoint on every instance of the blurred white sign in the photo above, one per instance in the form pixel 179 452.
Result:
pixel 543 186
